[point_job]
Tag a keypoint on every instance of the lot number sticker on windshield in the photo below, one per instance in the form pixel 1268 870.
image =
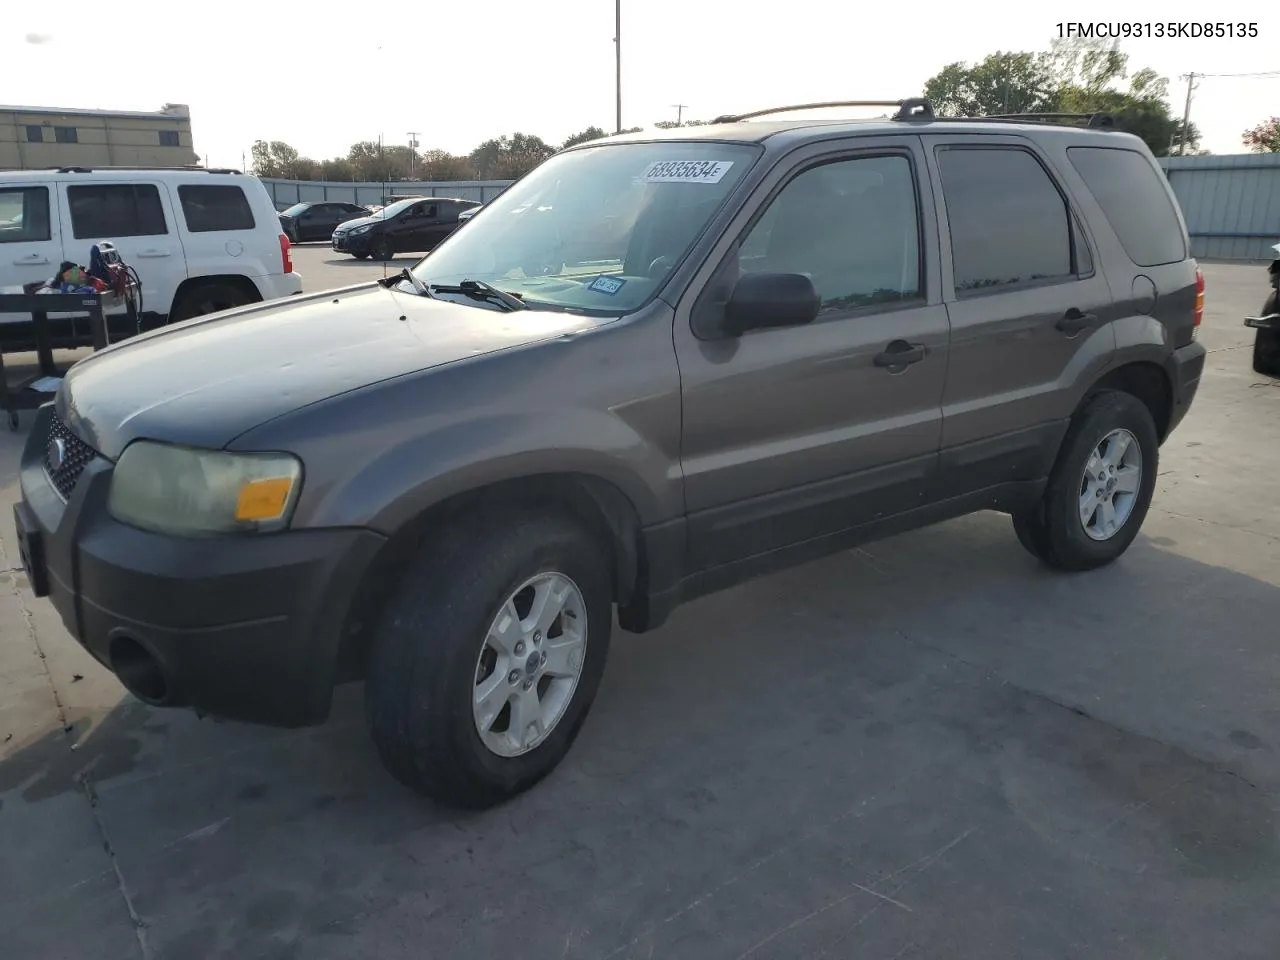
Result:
pixel 606 285
pixel 687 171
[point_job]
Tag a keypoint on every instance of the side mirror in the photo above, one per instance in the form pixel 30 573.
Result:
pixel 760 301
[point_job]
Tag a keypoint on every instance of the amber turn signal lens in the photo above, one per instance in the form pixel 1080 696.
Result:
pixel 263 499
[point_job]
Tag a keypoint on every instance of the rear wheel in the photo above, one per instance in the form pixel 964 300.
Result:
pixel 1266 345
pixel 489 655
pixel 384 251
pixel 1100 488
pixel 208 298
pixel 361 256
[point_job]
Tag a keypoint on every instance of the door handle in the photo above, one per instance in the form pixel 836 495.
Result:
pixel 34 259
pixel 153 253
pixel 1073 321
pixel 900 353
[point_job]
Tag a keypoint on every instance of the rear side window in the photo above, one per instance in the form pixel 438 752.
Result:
pixel 1009 224
pixel 1135 201
pixel 24 214
pixel 208 208
pixel 106 211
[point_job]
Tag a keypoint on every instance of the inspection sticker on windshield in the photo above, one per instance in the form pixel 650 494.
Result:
pixel 606 285
pixel 687 171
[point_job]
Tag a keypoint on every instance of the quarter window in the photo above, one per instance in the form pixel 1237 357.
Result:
pixel 107 211
pixel 851 225
pixel 208 208
pixel 24 215
pixel 1009 223
pixel 1135 201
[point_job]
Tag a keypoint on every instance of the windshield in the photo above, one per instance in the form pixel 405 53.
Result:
pixel 296 209
pixel 596 230
pixel 393 209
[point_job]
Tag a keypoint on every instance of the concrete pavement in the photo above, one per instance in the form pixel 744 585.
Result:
pixel 928 747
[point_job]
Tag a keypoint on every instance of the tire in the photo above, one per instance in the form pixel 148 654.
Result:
pixel 430 656
pixel 1054 531
pixel 1266 353
pixel 1266 344
pixel 361 256
pixel 384 251
pixel 208 298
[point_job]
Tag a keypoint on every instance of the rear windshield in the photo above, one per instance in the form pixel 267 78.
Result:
pixel 293 211
pixel 1135 199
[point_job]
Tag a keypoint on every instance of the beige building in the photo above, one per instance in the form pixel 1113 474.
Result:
pixel 35 138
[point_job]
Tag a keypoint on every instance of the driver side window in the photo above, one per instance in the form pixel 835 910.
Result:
pixel 852 226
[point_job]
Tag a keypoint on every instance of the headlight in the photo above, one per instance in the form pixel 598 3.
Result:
pixel 365 229
pixel 184 491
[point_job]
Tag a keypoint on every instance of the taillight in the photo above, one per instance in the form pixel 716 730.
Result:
pixel 1199 296
pixel 286 261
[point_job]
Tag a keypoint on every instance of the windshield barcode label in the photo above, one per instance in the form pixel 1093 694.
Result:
pixel 687 171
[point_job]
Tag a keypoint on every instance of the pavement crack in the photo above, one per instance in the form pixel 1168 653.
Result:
pixel 139 926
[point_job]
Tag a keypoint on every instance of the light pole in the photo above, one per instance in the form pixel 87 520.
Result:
pixel 617 60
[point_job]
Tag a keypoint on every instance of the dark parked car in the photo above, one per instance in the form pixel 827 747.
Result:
pixel 304 222
pixel 411 225
pixel 796 336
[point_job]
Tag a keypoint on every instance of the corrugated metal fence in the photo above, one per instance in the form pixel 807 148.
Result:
pixel 285 193
pixel 1231 202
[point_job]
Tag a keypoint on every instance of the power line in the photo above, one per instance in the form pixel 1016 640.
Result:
pixel 1260 73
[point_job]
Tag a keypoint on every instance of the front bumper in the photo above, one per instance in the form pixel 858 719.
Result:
pixel 246 628
pixel 1184 366
pixel 352 243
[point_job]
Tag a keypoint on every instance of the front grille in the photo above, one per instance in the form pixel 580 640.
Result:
pixel 65 457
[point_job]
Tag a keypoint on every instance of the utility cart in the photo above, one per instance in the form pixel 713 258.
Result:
pixel 35 391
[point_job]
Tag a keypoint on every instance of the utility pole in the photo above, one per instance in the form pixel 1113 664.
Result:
pixel 617 60
pixel 680 109
pixel 413 150
pixel 1186 115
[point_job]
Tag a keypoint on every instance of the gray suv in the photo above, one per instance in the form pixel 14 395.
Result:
pixel 656 366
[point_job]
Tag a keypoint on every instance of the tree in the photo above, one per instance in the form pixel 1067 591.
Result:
pixel 1001 83
pixel 338 168
pixel 1075 76
pixel 676 124
pixel 442 165
pixel 1264 138
pixel 277 159
pixel 508 158
pixel 586 136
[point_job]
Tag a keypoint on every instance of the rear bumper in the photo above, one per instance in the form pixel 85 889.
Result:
pixel 247 628
pixel 1184 366
pixel 1270 322
pixel 279 285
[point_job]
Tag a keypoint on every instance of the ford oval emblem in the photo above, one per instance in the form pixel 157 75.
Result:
pixel 57 453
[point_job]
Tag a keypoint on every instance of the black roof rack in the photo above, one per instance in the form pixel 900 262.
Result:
pixel 916 108
pixel 920 109
pixel 190 168
pixel 1097 120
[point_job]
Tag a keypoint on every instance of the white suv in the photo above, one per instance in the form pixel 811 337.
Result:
pixel 200 240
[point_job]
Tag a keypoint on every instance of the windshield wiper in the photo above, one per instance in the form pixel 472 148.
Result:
pixel 483 291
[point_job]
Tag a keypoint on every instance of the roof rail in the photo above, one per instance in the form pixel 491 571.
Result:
pixel 916 108
pixel 190 168
pixel 1099 120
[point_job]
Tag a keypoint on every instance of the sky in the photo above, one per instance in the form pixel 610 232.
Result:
pixel 324 80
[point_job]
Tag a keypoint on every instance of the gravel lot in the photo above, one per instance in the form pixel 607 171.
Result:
pixel 929 747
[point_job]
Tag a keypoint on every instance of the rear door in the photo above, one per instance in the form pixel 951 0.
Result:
pixel 1030 314
pixel 221 233
pixel 136 216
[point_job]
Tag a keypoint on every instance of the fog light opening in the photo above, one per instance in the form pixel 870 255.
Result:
pixel 139 671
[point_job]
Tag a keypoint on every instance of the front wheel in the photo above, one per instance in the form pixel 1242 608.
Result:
pixel 384 251
pixel 489 656
pixel 1100 487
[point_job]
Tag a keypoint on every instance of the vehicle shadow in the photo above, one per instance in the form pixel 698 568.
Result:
pixel 844 699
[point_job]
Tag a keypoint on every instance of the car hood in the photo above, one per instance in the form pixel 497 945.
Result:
pixel 346 225
pixel 205 381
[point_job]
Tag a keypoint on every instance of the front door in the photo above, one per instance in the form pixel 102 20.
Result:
pixel 30 241
pixel 796 433
pixel 1030 314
